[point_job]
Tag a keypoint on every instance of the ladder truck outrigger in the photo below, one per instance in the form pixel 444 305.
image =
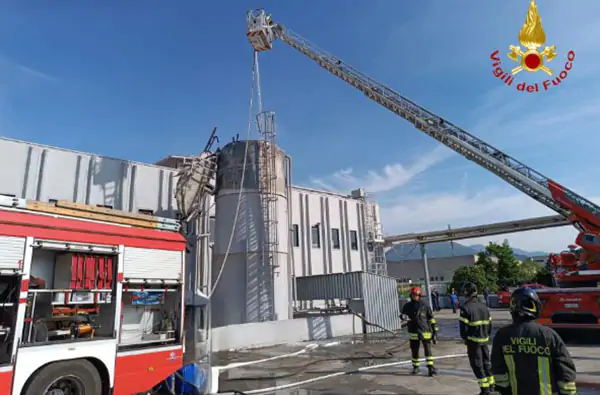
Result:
pixel 571 307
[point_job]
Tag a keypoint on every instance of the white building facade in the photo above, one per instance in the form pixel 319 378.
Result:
pixel 328 232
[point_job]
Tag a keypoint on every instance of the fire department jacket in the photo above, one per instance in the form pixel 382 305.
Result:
pixel 475 322
pixel 421 323
pixel 531 359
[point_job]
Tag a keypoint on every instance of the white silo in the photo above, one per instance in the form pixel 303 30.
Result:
pixel 255 284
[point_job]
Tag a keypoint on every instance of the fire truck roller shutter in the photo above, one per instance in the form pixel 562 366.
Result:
pixel 12 250
pixel 146 263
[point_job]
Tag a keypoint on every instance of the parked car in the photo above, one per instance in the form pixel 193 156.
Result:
pixel 505 292
pixel 504 296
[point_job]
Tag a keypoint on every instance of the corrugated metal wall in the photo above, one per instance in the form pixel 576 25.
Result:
pixel 330 286
pixel 379 293
pixel 44 173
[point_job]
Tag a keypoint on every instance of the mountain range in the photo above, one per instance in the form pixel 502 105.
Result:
pixel 404 252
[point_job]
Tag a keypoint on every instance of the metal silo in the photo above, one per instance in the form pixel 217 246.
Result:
pixel 255 284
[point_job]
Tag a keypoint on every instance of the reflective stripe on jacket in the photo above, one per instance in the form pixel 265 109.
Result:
pixel 421 322
pixel 531 359
pixel 475 322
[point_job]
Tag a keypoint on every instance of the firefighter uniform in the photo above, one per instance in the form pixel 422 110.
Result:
pixel 422 328
pixel 475 324
pixel 528 358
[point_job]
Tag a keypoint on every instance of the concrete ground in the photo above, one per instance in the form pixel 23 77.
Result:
pixel 355 353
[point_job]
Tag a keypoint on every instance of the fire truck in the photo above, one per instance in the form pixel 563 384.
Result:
pixel 91 299
pixel 577 306
pixel 575 302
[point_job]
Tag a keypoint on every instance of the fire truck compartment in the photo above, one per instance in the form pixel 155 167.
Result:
pixel 70 294
pixel 570 308
pixel 151 316
pixel 9 297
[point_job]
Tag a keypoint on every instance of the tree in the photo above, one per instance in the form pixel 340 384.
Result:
pixel 528 271
pixel 490 270
pixel 508 265
pixel 544 277
pixel 465 274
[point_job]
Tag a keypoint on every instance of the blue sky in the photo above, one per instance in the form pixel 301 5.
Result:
pixel 142 82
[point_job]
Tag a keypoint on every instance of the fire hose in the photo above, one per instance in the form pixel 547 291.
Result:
pixel 387 354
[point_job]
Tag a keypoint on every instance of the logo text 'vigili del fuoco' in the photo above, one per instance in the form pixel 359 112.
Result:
pixel 531 57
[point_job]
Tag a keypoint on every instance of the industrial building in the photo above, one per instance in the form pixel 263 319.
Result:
pixel 326 232
pixel 440 269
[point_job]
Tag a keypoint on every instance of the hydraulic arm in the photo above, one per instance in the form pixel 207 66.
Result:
pixel 585 215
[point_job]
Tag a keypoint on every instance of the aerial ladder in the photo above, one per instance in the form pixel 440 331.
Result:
pixel 262 32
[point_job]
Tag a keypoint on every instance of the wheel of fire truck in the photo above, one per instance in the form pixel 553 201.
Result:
pixel 77 377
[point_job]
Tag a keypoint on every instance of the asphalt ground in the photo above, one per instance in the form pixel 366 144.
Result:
pixel 352 353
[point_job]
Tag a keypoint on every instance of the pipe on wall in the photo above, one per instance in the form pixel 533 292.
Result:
pixel 204 277
pixel 290 261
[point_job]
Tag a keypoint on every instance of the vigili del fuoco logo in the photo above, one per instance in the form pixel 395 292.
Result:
pixel 531 57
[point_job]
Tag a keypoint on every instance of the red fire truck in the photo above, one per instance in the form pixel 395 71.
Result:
pixel 505 292
pixel 91 300
pixel 575 302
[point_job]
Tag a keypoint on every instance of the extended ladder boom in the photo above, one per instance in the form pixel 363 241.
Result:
pixel 262 32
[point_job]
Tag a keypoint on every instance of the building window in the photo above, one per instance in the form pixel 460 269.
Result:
pixel 441 278
pixel 211 229
pixel 295 236
pixel 335 238
pixel 353 240
pixel 316 236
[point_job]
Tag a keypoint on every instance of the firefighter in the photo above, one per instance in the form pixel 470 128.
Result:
pixel 475 324
pixel 528 358
pixel 422 327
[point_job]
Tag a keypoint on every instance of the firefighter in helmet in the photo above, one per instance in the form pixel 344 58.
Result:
pixel 422 328
pixel 528 358
pixel 475 324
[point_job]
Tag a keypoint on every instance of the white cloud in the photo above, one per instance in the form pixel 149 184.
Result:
pixel 435 212
pixel 17 80
pixel 391 177
pixel 564 116
pixel 547 119
pixel 559 119
pixel 18 73
pixel 406 212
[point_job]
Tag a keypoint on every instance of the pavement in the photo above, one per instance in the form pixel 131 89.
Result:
pixel 353 354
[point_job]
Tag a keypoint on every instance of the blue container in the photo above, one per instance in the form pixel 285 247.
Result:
pixel 194 379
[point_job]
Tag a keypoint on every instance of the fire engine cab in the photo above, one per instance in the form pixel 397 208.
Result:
pixel 90 302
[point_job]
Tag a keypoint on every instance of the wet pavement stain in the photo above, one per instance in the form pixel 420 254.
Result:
pixel 455 376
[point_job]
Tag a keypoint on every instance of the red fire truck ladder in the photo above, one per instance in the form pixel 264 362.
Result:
pixel 262 32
